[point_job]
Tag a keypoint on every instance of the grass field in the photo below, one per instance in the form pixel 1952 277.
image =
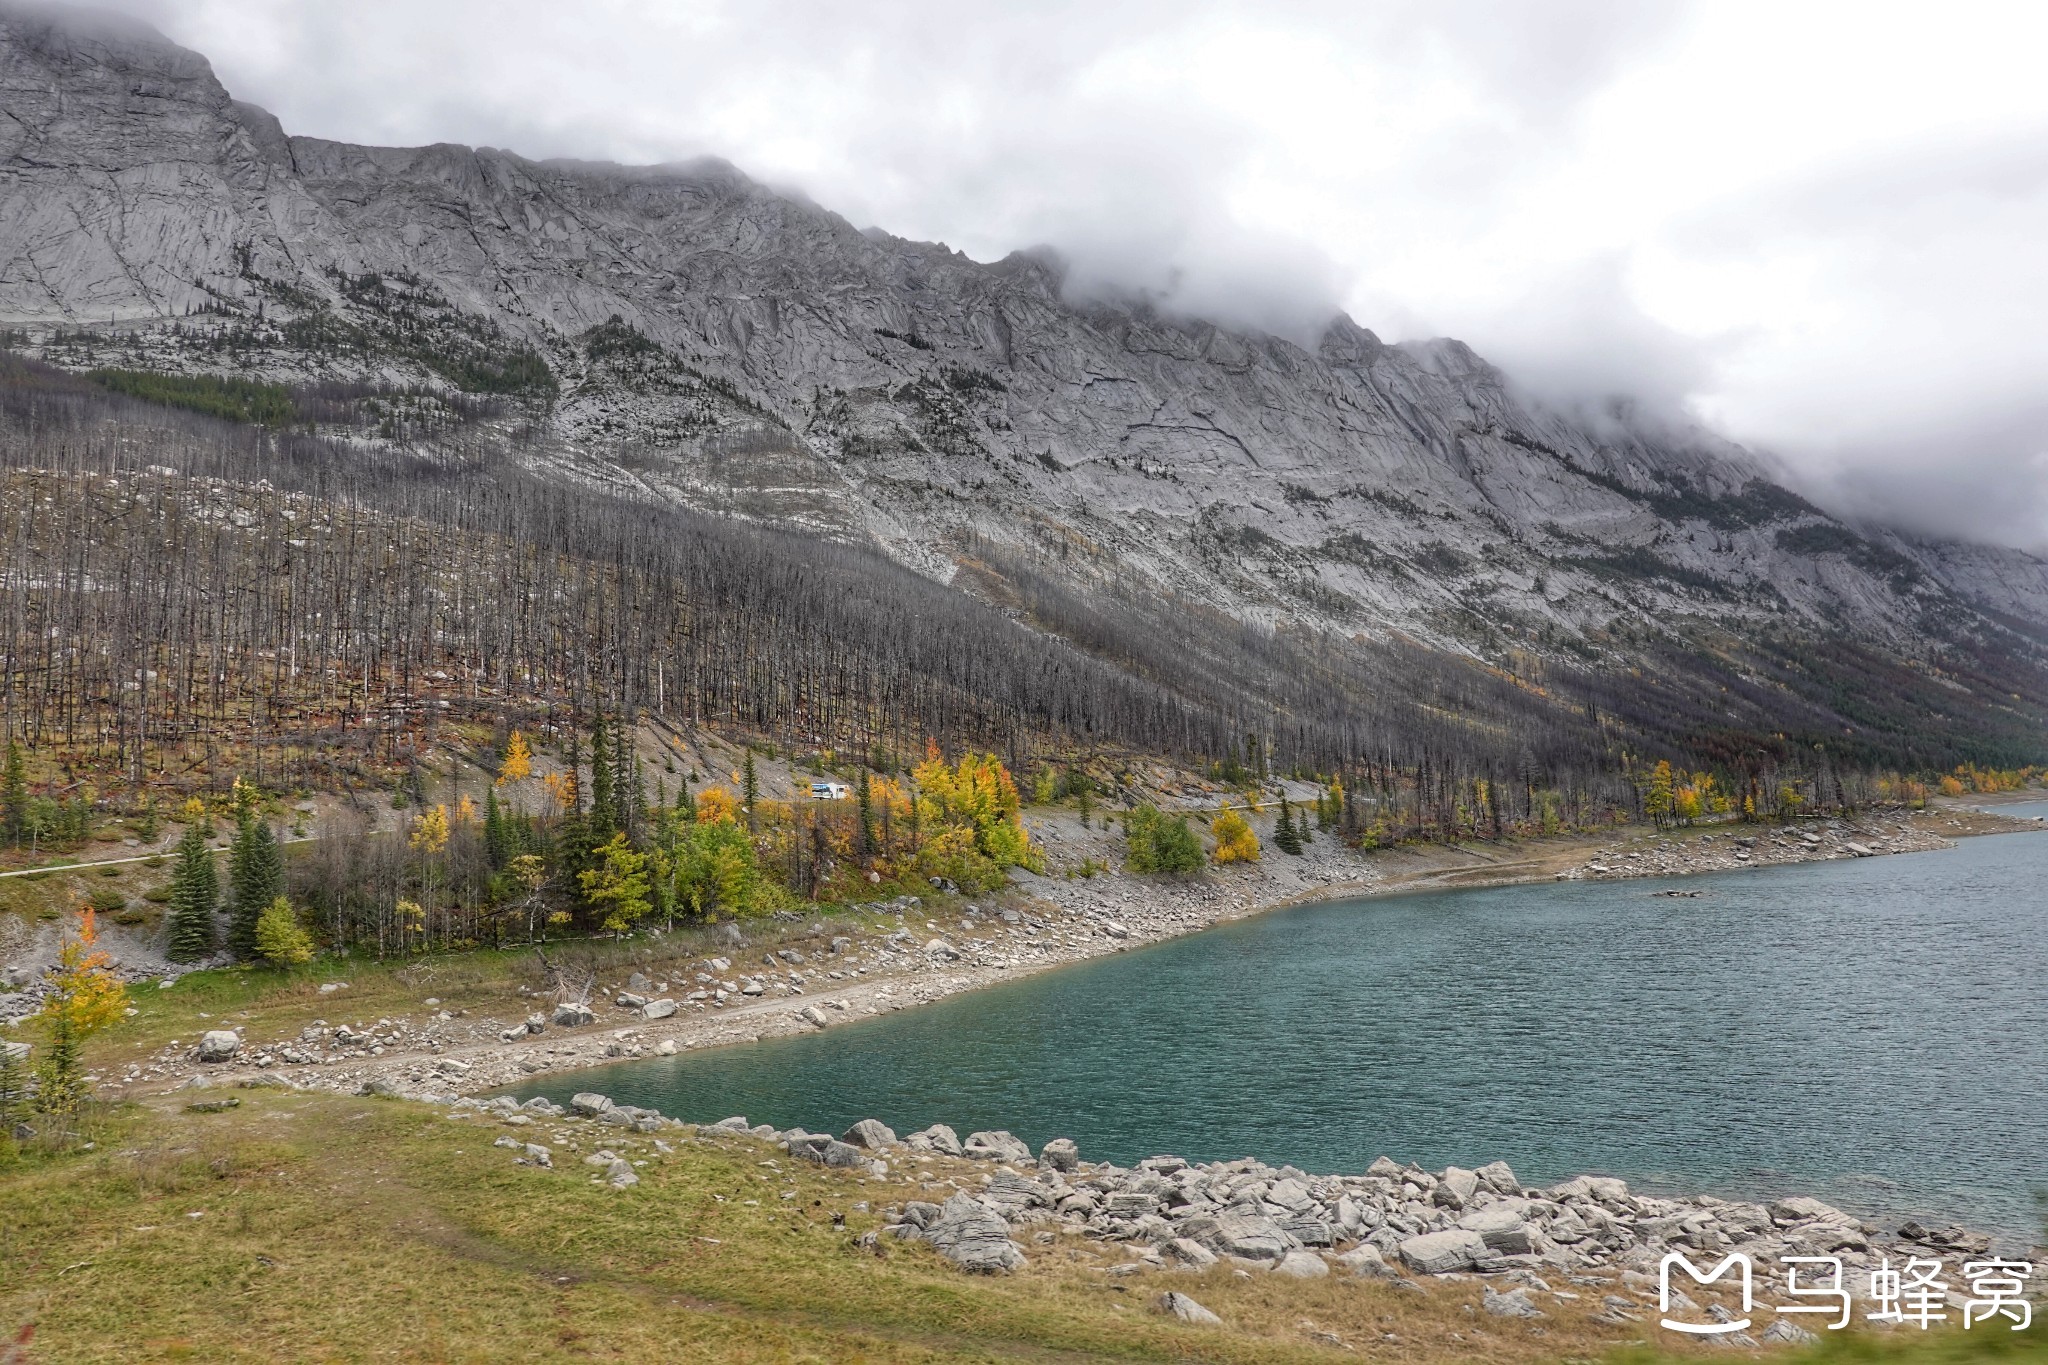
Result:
pixel 319 1227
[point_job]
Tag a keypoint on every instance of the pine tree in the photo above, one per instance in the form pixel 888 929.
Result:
pixel 686 804
pixel 604 813
pixel 1285 837
pixel 195 891
pixel 256 873
pixel 497 834
pixel 14 792
pixel 636 801
pixel 865 795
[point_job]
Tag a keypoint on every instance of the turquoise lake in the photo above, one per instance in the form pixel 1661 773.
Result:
pixel 1874 1032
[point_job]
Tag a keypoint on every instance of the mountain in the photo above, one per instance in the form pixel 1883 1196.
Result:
pixel 682 335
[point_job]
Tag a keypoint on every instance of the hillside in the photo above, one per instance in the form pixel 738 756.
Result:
pixel 1352 548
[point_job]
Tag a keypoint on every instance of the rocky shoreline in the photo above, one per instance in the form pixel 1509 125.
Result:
pixel 777 979
pixel 988 1204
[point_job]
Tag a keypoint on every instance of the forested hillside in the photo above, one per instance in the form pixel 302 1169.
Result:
pixel 310 445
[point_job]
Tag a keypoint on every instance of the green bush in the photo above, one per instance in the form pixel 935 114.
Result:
pixel 1161 844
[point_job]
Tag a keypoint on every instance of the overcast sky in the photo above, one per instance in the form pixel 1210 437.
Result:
pixel 1818 227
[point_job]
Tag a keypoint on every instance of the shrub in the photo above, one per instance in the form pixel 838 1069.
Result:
pixel 279 938
pixel 1159 844
pixel 1235 841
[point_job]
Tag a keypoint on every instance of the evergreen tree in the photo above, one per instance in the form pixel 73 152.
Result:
pixel 497 832
pixel 1285 836
pixel 866 797
pixel 636 802
pixel 14 793
pixel 256 873
pixel 604 811
pixel 686 804
pixel 195 891
pixel 752 788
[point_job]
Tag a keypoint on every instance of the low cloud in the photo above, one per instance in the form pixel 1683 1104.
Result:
pixel 1815 228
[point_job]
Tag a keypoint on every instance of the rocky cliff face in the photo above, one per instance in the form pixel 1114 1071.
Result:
pixel 682 333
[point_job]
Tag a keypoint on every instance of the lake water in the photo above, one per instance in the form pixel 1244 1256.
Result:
pixel 1874 1032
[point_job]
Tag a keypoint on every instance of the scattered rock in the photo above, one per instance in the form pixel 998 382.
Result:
pixel 1456 1187
pixel 973 1237
pixel 1175 1304
pixel 1516 1303
pixel 1250 1235
pixel 1789 1332
pixel 1060 1155
pixel 1438 1253
pixel 1302 1265
pixel 872 1134
pixel 996 1146
pixel 937 1138
pixel 217 1045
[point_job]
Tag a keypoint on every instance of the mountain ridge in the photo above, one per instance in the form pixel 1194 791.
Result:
pixel 684 334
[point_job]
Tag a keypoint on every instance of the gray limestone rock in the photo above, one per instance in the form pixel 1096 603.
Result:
pixel 973 1237
pixel 1175 1304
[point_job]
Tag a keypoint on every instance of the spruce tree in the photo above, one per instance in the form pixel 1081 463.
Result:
pixel 867 815
pixel 604 812
pixel 195 891
pixel 256 873
pixel 14 794
pixel 1286 837
pixel 686 804
pixel 497 835
pixel 751 788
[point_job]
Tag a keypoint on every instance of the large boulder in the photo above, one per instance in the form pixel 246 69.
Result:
pixel 217 1045
pixel 1302 1265
pixel 996 1146
pixel 1439 1253
pixel 1502 1227
pixel 589 1104
pixel 573 1013
pixel 1455 1187
pixel 973 1237
pixel 1175 1304
pixel 1250 1235
pixel 658 1009
pixel 1366 1262
pixel 872 1134
pixel 1060 1154
pixel 1516 1303
pixel 830 1152
pixel 937 1138
pixel 1499 1177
